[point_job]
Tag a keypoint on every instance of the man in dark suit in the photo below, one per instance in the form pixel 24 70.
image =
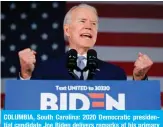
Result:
pixel 80 30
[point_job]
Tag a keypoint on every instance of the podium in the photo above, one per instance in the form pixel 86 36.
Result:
pixel 82 95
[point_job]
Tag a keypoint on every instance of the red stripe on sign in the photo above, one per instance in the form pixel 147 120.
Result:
pixel 156 69
pixel 96 95
pixel 130 39
pixel 125 10
pixel 98 104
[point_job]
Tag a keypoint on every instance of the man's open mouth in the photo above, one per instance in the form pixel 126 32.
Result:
pixel 86 35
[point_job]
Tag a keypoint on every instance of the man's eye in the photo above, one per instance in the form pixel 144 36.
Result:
pixel 82 21
pixel 94 24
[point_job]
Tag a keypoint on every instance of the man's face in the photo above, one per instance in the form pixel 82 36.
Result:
pixel 82 30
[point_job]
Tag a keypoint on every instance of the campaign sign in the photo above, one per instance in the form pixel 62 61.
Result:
pixel 82 95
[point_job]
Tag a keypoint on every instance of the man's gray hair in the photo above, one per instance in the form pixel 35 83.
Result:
pixel 67 18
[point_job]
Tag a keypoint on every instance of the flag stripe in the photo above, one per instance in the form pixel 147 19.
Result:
pixel 130 39
pixel 128 54
pixel 156 69
pixel 125 10
pixel 132 25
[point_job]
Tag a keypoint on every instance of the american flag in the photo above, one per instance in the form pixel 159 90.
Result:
pixel 35 25
pixel 125 29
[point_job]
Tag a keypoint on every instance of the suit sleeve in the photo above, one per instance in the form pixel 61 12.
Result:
pixel 122 75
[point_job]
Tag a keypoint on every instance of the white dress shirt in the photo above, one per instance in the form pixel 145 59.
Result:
pixel 85 74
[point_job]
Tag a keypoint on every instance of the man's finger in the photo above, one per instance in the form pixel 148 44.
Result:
pixel 34 61
pixel 32 57
pixel 31 60
pixel 140 54
pixel 34 52
pixel 26 50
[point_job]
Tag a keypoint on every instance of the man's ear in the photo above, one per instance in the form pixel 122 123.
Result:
pixel 67 30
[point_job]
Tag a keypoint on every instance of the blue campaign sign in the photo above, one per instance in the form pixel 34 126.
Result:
pixel 82 95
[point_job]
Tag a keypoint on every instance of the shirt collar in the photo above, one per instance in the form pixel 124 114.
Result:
pixel 85 54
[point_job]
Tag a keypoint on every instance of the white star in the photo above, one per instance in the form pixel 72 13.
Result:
pixel 3 37
pixel 2 59
pixel 44 15
pixel 55 4
pixel 54 46
pixel 44 57
pixel 55 25
pixel 34 26
pixel 12 6
pixel 2 16
pixel 13 26
pixel 23 16
pixel 33 5
pixel 12 47
pixel 23 37
pixel 44 36
pixel 33 46
pixel 12 69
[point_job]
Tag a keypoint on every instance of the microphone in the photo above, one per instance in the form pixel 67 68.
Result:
pixel 72 62
pixel 72 58
pixel 92 64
